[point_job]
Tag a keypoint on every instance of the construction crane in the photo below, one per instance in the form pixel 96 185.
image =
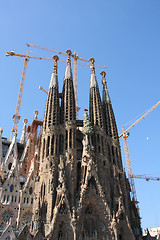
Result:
pixel 16 116
pixel 75 63
pixel 147 178
pixel 125 135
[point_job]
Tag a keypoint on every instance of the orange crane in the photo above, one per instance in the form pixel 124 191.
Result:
pixel 147 178
pixel 16 116
pixel 125 135
pixel 75 63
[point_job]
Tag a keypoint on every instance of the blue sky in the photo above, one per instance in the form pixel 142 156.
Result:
pixel 121 34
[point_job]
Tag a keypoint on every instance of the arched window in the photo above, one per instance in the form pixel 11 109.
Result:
pixel 52 145
pixel 47 150
pixel 66 139
pixel 60 236
pixel 43 149
pixel 90 224
pixel 8 238
pixel 70 138
pixel 9 166
pixel 44 190
pixel 11 188
pixel 113 155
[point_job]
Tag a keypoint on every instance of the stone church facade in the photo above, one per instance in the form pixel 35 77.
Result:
pixel 82 191
pixel 79 187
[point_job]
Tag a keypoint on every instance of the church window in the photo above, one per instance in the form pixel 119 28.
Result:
pixel 11 188
pixel 7 215
pixel 99 149
pixel 70 138
pixel 24 200
pixel 66 139
pixel 4 198
pixel 12 198
pixel 43 148
pixel 7 238
pixel 62 144
pixel 15 199
pixel 79 165
pixel 31 200
pixel 27 200
pixel 30 190
pixel 52 145
pixel 44 190
pixel 47 150
pixel 60 235
pixel 113 155
pixel 7 198
pixel 9 166
pixel 98 139
pixel 41 190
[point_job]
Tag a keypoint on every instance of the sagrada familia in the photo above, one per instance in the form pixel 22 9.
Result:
pixel 67 181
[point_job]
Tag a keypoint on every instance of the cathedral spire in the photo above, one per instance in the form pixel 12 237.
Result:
pixel 106 97
pixel 68 98
pixel 68 72
pixel 110 122
pixel 96 114
pixel 52 111
pixel 93 80
pixel 54 77
pixel 23 136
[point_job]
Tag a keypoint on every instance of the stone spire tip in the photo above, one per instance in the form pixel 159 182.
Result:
pixel 56 58
pixel 92 65
pixel 106 97
pixel 25 121
pixel 69 53
pixel 103 73
pixel 1 131
pixel 54 79
pixel 68 72
pixel 93 80
pixel 35 114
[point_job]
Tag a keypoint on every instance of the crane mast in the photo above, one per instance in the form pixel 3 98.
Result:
pixel 16 116
pixel 141 118
pixel 125 135
pixel 129 167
